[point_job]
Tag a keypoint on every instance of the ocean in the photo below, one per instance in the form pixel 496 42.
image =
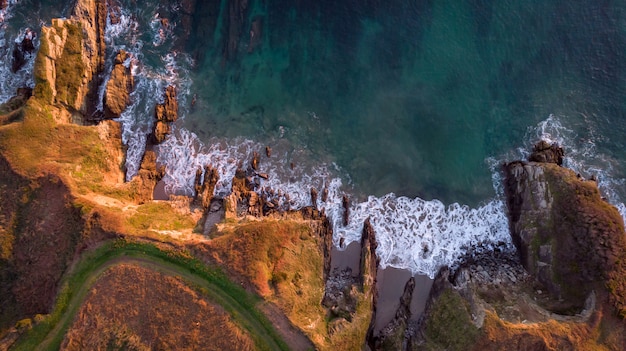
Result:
pixel 407 107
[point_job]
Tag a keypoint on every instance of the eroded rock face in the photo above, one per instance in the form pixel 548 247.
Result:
pixel 568 237
pixel 148 176
pixel 70 61
pixel 119 86
pixel 165 113
pixel 547 153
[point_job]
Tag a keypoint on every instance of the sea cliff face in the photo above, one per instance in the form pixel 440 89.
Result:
pixel 567 235
pixel 565 290
pixel 564 287
pixel 70 61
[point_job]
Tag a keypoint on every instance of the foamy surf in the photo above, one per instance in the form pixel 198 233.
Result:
pixel 581 156
pixel 413 234
pixel 150 82
pixel 24 76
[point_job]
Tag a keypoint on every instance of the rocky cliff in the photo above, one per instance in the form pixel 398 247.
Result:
pixel 70 61
pixel 121 83
pixel 568 237
pixel 562 290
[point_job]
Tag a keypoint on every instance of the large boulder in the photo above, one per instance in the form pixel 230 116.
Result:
pixel 568 237
pixel 119 86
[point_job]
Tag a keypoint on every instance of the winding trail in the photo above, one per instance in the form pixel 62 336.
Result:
pixel 242 306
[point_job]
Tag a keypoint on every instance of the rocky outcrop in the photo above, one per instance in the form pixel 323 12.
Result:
pixel 568 237
pixel 165 114
pixel 22 50
pixel 148 176
pixel 69 63
pixel 120 85
pixel 547 153
pixel 205 185
pixel 110 132
pixel 393 335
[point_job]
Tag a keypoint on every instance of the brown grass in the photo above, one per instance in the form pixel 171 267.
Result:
pixel 281 259
pixel 138 308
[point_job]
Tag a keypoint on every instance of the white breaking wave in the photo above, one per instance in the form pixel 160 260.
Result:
pixel 581 156
pixel 138 119
pixel 414 234
pixel 24 76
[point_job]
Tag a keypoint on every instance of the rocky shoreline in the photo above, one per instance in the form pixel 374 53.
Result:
pixel 569 267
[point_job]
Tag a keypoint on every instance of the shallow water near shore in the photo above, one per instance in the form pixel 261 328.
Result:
pixel 407 108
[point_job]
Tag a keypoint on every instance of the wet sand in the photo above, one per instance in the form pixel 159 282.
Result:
pixel 348 258
pixel 391 282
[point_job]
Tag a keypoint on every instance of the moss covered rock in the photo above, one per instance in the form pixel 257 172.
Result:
pixel 568 237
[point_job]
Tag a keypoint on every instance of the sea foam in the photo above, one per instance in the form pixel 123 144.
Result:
pixel 24 76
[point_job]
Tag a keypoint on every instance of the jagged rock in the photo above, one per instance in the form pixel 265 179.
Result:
pixel 369 264
pixel 21 49
pixel 255 161
pixel 70 61
pixel 206 190
pixel 148 176
pixel 346 209
pixel 393 335
pixel 570 239
pixel 118 88
pixel 110 132
pixel 548 153
pixel 165 113
pixel 314 197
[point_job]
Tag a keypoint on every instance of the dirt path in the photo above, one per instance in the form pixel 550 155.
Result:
pixel 265 336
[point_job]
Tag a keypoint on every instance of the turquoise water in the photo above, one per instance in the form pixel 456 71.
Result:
pixel 412 98
pixel 407 107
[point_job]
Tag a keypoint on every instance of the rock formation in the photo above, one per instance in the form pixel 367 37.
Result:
pixel 567 235
pixel 148 176
pixel 392 336
pixel 70 60
pixel 119 86
pixel 22 49
pixel 165 113
pixel 547 153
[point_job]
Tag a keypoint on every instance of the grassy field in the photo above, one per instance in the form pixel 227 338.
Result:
pixel 49 333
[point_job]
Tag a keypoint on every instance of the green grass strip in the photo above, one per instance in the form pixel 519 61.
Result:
pixel 211 281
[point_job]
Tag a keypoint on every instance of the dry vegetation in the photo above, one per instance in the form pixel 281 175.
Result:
pixel 135 308
pixel 282 261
